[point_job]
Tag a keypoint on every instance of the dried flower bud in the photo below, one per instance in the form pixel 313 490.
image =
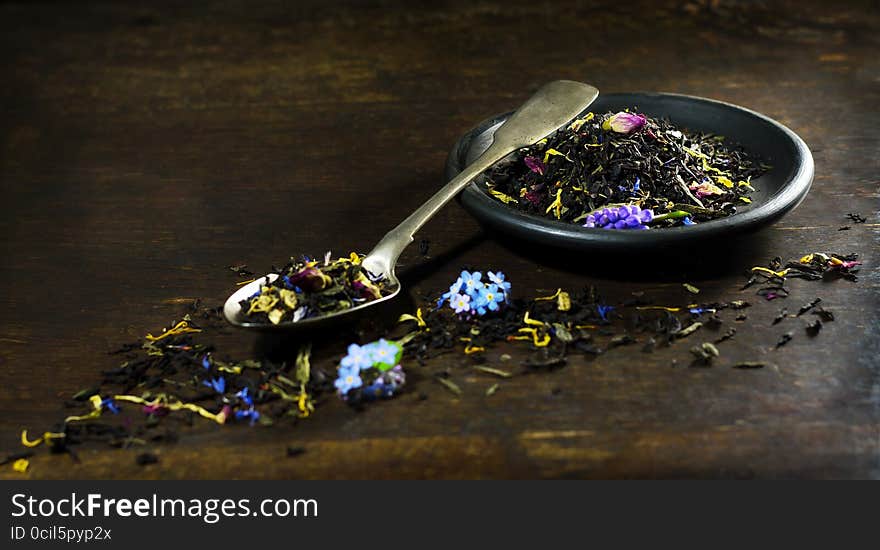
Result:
pixel 624 123
pixel 706 189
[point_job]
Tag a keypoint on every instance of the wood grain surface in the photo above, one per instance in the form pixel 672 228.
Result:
pixel 145 147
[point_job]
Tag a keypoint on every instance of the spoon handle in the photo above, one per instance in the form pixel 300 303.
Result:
pixel 546 111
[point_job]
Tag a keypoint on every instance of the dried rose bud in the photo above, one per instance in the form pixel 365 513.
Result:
pixel 625 123
pixel 311 279
pixel 706 189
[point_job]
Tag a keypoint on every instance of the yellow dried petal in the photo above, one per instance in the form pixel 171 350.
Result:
pixel 275 316
pixel 263 303
pixel 553 152
pixel 288 297
pixel 563 301
pixel 470 349
pixel 506 199
pixel 726 182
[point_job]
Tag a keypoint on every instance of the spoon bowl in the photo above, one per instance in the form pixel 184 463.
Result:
pixel 234 313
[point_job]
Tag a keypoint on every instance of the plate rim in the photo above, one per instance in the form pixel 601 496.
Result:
pixel 534 228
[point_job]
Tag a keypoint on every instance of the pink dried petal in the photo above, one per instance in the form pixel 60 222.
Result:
pixel 533 197
pixel 535 165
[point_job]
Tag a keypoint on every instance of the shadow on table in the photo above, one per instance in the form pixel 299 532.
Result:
pixel 703 260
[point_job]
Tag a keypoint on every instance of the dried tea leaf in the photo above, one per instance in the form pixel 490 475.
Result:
pixel 786 338
pixel 783 313
pixel 705 353
pixel 751 365
pixel 726 336
pixel 303 366
pixel 823 314
pixel 497 372
pixel 807 307
pixel 687 331
pixel 449 385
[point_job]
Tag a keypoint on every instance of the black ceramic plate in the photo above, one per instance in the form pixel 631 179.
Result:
pixel 778 191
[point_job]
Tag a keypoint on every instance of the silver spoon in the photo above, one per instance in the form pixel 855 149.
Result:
pixel 549 109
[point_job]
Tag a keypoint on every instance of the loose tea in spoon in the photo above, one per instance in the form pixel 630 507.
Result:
pixel 308 288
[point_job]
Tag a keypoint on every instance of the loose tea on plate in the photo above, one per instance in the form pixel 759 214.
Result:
pixel 627 171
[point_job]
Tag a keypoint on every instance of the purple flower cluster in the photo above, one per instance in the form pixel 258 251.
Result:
pixel 622 217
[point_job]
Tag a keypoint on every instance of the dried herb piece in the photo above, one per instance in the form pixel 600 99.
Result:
pixel 855 217
pixel 807 307
pixel 83 395
pixel 784 339
pixel 496 372
pixel 814 328
pixel 490 391
pixel 693 327
pixel 449 385
pixel 545 359
pixel 705 353
pixel 241 270
pixel 823 314
pixel 16 456
pixel 783 313
pixel 750 365
pixel 726 336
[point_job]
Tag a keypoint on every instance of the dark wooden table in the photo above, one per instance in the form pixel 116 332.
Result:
pixel 145 149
